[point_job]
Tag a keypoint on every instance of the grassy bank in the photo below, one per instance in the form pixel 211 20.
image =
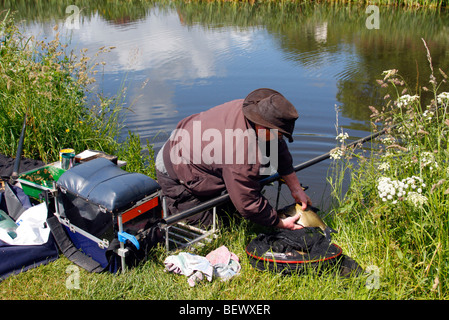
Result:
pixel 396 209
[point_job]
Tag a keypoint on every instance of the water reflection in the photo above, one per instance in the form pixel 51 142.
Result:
pixel 193 56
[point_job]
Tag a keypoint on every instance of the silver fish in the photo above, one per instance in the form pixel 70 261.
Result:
pixel 309 218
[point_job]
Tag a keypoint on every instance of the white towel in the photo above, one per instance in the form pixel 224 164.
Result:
pixel 220 263
pixel 189 264
pixel 226 264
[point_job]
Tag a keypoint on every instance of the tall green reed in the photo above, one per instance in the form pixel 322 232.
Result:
pixel 401 3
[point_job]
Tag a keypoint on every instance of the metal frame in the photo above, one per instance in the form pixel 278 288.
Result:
pixel 182 235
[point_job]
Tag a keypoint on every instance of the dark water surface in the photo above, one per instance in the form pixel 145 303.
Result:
pixel 176 59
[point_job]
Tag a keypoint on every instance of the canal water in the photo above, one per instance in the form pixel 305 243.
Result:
pixel 176 59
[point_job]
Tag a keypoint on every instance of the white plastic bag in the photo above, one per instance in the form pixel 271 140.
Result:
pixel 32 228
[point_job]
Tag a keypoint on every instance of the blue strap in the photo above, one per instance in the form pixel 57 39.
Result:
pixel 123 236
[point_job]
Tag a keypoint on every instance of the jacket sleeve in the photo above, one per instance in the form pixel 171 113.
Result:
pixel 285 160
pixel 244 189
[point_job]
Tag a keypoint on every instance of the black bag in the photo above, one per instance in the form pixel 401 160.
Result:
pixel 289 251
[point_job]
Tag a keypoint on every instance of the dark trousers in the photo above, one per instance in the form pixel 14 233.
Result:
pixel 178 198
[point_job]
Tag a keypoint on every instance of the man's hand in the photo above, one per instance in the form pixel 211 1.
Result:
pixel 301 197
pixel 297 192
pixel 290 223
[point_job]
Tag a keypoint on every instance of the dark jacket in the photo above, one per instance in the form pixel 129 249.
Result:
pixel 189 153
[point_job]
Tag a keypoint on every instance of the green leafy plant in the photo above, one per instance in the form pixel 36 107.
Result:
pixel 397 199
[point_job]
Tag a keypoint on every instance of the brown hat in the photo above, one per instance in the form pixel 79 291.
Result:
pixel 270 109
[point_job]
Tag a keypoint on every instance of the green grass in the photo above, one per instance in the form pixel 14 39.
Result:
pixel 149 281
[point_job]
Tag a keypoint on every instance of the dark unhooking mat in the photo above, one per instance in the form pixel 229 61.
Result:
pixel 7 165
pixel 289 251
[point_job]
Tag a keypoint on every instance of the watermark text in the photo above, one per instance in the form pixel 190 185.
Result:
pixel 373 20
pixel 233 146
pixel 73 20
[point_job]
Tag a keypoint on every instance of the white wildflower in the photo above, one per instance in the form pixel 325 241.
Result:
pixel 406 100
pixel 443 98
pixel 385 186
pixel 384 166
pixel 428 160
pixel 388 140
pixel 428 115
pixel 342 137
pixel 336 153
pixel 416 199
pixel 395 190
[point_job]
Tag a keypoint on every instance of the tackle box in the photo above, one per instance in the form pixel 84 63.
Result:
pixel 99 203
pixel 35 181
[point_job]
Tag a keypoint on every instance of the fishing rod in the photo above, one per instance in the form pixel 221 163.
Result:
pixel 168 221
pixel 323 157
pixel 15 171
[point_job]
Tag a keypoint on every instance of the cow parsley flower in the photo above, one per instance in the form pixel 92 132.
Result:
pixel 388 140
pixel 336 153
pixel 443 98
pixel 428 115
pixel 406 100
pixel 416 199
pixel 396 190
pixel 342 137
pixel 428 160
pixel 383 166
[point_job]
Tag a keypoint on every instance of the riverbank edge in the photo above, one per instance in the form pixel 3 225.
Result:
pixel 408 4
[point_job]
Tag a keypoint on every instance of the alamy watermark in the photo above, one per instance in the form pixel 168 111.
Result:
pixel 73 20
pixel 373 280
pixel 73 280
pixel 373 20
pixel 233 146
